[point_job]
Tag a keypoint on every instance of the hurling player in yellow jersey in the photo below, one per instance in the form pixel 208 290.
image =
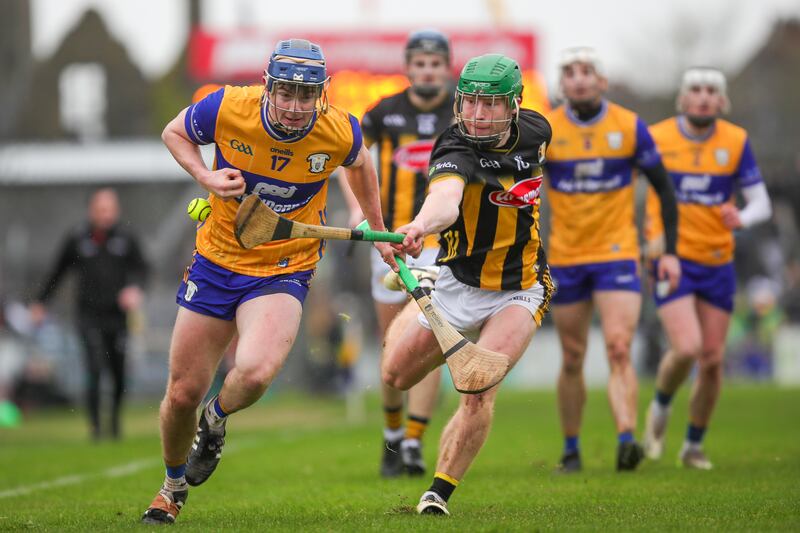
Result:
pixel 402 129
pixel 707 158
pixel 597 150
pixel 483 200
pixel 280 142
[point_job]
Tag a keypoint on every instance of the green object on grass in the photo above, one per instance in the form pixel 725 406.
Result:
pixel 10 415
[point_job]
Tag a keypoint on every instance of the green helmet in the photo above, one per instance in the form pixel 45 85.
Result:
pixel 490 75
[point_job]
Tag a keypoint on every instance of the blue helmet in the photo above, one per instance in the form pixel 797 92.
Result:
pixel 281 66
pixel 298 66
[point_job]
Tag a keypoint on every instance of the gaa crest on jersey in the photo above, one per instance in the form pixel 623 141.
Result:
pixel 722 156
pixel 317 162
pixel 426 123
pixel 522 194
pixel 614 139
pixel 414 156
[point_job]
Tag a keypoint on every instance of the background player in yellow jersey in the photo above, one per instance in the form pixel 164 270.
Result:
pixel 483 199
pixel 707 157
pixel 593 251
pixel 403 128
pixel 280 142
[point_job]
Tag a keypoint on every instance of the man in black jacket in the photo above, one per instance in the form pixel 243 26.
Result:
pixel 110 268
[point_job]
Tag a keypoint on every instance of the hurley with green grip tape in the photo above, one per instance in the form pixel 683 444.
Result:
pixel 256 224
pixel 474 369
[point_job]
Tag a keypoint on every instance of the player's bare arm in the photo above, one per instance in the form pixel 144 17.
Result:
pixel 363 181
pixel 439 211
pixel 224 182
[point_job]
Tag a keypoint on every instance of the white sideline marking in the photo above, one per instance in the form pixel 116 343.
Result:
pixel 124 469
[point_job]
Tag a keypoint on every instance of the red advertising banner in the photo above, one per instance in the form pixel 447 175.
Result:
pixel 242 56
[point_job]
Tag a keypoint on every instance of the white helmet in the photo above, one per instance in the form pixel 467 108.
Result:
pixel 581 54
pixel 704 77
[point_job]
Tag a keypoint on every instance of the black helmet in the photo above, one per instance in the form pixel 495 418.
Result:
pixel 429 41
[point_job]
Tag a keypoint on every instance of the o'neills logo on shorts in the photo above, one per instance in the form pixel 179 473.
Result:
pixel 414 156
pixel 522 194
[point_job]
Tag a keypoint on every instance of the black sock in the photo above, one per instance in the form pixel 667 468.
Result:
pixel 442 487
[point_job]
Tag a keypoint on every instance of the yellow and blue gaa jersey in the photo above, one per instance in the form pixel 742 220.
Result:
pixel 591 167
pixel 704 172
pixel 289 175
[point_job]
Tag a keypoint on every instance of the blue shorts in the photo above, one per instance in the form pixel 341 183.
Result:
pixel 714 284
pixel 577 283
pixel 215 291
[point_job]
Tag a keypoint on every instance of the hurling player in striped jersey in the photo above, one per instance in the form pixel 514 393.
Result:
pixel 401 129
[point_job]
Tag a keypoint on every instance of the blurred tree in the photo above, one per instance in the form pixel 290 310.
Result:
pixel 15 61
pixel 127 109
pixel 765 101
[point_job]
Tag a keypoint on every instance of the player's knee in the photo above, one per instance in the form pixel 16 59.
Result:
pixel 710 364
pixel 619 352
pixel 688 349
pixel 478 404
pixel 572 360
pixel 392 377
pixel 258 378
pixel 183 397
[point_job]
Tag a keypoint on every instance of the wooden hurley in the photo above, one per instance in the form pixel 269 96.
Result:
pixel 256 224
pixel 473 369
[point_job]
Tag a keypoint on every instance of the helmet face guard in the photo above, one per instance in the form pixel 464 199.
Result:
pixel 486 82
pixel 296 84
pixel 497 126
pixel 283 99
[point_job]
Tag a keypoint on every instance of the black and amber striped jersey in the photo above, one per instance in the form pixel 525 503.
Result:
pixel 404 137
pixel 494 244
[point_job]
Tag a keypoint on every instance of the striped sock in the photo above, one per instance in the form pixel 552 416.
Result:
pixel 175 479
pixel 443 485
pixel 215 413
pixel 393 419
pixel 415 427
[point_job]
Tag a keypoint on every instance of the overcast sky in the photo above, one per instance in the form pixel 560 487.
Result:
pixel 643 43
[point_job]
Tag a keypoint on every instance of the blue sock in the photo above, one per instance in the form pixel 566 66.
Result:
pixel 663 399
pixel 176 472
pixel 625 436
pixel 571 444
pixel 218 408
pixel 695 434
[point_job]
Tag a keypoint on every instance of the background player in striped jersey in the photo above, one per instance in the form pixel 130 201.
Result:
pixel 707 157
pixel 280 142
pixel 593 248
pixel 402 128
pixel 483 199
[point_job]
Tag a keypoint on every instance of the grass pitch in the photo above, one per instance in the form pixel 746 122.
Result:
pixel 295 464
